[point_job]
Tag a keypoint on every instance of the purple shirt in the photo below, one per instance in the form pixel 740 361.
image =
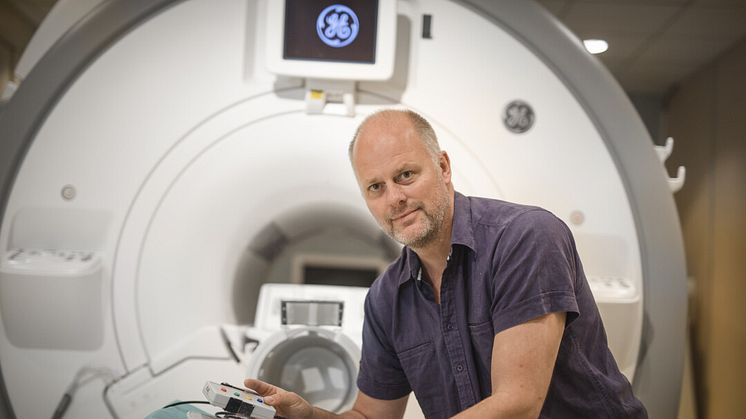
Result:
pixel 509 264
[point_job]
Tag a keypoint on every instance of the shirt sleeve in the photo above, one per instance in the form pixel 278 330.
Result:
pixel 381 375
pixel 534 271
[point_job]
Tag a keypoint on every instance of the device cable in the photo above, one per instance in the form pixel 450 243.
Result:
pixel 186 402
pixel 78 381
pixel 229 345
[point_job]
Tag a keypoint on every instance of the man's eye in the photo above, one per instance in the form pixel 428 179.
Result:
pixel 406 175
pixel 374 187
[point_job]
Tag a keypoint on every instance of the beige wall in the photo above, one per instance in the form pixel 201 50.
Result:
pixel 707 118
pixel 5 66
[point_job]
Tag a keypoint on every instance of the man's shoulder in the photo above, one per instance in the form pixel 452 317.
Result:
pixel 493 220
pixel 496 212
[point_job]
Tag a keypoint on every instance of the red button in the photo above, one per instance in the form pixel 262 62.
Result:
pixel 223 389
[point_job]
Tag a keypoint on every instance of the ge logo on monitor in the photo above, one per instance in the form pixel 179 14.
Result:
pixel 337 26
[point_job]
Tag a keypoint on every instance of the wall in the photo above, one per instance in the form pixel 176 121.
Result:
pixel 707 118
pixel 18 21
pixel 650 107
pixel 5 67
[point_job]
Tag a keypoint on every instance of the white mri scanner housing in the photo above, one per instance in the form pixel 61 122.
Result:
pixel 155 174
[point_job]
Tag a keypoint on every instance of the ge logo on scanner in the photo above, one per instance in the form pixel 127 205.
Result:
pixel 337 26
pixel 518 116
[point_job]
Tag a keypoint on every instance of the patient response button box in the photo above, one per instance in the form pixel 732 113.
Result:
pixel 236 400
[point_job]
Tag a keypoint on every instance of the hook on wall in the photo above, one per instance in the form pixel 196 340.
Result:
pixel 664 151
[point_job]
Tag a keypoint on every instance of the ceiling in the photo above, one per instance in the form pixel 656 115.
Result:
pixel 653 44
pixel 18 21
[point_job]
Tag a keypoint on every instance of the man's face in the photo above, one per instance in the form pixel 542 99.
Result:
pixel 405 190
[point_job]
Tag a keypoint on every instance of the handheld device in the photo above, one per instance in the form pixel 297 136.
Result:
pixel 238 401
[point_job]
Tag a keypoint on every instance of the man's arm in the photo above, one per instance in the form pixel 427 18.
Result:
pixel 523 360
pixel 291 405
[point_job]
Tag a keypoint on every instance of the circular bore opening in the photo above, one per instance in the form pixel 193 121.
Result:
pixel 314 367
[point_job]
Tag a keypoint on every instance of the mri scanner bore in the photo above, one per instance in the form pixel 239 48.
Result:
pixel 162 161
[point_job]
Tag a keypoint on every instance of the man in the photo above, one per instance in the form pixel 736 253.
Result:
pixel 486 313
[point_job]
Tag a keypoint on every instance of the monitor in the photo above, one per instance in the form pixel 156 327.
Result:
pixel 335 40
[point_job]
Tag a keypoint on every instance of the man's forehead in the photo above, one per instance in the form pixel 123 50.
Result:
pixel 382 130
pixel 391 151
pixel 389 140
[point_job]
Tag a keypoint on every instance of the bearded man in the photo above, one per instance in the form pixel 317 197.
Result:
pixel 487 312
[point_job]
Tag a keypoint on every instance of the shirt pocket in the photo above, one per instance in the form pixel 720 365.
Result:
pixel 482 337
pixel 422 370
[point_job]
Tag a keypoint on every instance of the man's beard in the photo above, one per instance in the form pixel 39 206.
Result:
pixel 428 230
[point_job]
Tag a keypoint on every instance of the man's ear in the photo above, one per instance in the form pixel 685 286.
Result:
pixel 444 163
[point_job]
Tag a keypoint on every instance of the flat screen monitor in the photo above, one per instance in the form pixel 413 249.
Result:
pixel 347 40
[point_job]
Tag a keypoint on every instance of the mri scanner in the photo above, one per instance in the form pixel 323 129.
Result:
pixel 163 159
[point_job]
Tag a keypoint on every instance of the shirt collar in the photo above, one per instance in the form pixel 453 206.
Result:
pixel 461 234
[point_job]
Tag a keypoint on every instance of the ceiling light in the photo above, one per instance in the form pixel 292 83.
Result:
pixel 595 46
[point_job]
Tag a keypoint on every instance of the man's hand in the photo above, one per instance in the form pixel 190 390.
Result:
pixel 293 406
pixel 287 404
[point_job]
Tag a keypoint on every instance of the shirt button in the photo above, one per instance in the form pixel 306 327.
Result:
pixel 459 367
pixel 450 326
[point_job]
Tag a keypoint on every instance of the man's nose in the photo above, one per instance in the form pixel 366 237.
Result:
pixel 396 195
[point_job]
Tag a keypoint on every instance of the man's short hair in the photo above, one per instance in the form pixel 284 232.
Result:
pixel 423 129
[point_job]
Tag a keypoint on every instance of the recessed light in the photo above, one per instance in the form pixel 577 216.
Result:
pixel 595 46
